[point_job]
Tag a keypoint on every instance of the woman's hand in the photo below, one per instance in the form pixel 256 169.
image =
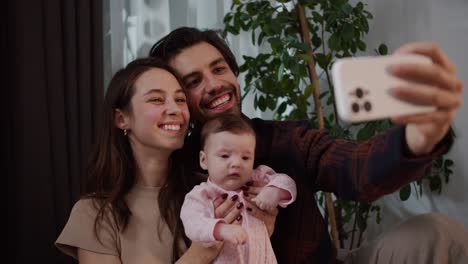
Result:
pixel 227 208
pixel 251 190
pixel 435 85
pixel 198 254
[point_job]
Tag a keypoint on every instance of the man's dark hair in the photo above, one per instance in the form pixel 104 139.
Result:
pixel 184 37
pixel 232 123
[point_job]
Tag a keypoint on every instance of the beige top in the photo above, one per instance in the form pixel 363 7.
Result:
pixel 139 243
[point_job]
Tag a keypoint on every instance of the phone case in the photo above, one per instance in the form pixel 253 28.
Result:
pixel 362 86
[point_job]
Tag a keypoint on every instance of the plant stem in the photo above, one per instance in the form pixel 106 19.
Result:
pixel 339 221
pixel 311 65
pixel 356 204
pixel 318 107
pixel 361 231
pixel 330 85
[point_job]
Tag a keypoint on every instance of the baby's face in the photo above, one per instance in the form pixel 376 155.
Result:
pixel 229 159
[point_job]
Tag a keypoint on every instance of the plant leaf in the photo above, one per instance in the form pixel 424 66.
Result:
pixel 308 91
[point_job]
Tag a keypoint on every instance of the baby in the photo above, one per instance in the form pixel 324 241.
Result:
pixel 228 152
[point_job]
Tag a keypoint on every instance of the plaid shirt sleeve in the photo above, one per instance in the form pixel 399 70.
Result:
pixel 362 171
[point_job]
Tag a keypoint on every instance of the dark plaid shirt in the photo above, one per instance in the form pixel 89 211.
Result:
pixel 359 171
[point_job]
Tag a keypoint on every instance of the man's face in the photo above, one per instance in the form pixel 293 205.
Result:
pixel 209 83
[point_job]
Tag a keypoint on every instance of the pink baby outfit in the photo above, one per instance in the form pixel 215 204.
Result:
pixel 197 215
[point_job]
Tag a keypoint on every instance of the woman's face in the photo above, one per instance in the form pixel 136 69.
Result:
pixel 159 116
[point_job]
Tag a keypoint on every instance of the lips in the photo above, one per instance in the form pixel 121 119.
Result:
pixel 219 101
pixel 171 126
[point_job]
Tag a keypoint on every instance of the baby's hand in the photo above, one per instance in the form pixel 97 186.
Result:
pixel 268 198
pixel 231 233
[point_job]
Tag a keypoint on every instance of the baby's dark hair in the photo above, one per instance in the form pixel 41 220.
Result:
pixel 232 123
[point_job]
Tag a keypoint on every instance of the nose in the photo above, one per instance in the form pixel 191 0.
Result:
pixel 212 83
pixel 172 108
pixel 235 162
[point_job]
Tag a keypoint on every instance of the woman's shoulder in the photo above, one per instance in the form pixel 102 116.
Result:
pixel 86 205
pixel 89 208
pixel 80 232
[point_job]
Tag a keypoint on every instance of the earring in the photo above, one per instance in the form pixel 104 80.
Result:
pixel 190 129
pixel 125 132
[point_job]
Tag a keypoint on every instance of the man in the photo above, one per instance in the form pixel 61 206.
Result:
pixel 362 171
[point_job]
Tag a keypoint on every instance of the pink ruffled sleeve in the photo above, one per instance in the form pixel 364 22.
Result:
pixel 267 175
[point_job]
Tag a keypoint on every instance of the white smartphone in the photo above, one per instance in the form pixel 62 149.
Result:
pixel 362 86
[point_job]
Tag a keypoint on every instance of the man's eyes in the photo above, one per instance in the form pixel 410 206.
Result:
pixel 192 83
pixel 220 69
pixel 195 81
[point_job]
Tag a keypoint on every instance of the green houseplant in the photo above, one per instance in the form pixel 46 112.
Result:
pixel 303 39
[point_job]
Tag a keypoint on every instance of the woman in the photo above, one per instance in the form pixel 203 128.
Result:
pixel 130 209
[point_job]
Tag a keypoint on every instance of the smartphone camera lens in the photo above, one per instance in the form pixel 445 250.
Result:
pixel 359 92
pixel 355 107
pixel 367 106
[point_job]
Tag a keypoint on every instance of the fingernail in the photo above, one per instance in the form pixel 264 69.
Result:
pixel 389 69
pixel 246 194
pixel 392 91
pixel 396 69
pixel 239 206
pixel 239 218
pixel 249 183
pixel 224 196
pixel 234 198
pixel 249 209
pixel 245 188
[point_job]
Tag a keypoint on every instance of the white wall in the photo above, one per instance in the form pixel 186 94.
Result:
pixel 446 23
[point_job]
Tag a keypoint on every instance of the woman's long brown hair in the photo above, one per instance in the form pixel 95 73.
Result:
pixel 111 170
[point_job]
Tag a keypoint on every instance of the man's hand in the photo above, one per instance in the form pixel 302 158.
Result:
pixel 436 85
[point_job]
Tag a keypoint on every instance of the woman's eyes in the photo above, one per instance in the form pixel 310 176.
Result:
pixel 157 100
pixel 161 100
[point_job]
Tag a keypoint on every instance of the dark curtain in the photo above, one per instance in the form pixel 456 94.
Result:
pixel 52 59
